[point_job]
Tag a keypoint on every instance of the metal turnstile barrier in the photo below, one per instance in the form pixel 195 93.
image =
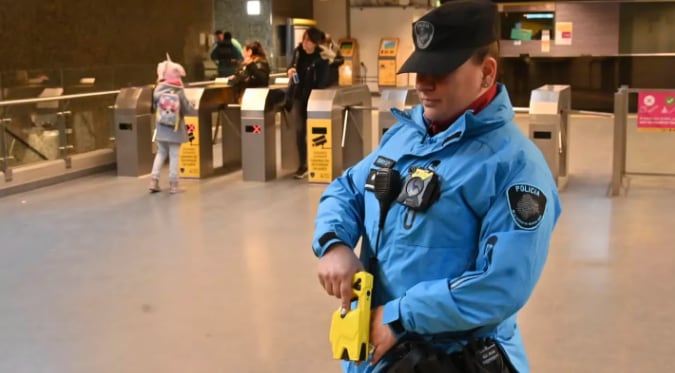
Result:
pixel 643 146
pixel 549 116
pixel 338 130
pixel 230 117
pixel 393 98
pixel 133 131
pixel 196 156
pixel 261 147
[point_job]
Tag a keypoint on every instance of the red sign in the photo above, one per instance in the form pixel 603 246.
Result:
pixel 656 111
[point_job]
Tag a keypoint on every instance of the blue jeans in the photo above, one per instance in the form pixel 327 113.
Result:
pixel 163 149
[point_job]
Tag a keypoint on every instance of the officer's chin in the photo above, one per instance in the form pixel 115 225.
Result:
pixel 432 113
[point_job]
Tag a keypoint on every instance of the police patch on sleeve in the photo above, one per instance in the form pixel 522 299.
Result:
pixel 527 204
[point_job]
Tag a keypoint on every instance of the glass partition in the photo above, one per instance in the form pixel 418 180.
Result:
pixel 48 130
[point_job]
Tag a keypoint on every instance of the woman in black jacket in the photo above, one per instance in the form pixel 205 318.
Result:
pixel 308 71
pixel 254 72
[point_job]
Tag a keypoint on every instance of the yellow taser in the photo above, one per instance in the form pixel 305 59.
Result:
pixel 350 332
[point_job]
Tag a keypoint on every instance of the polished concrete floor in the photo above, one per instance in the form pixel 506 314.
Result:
pixel 97 276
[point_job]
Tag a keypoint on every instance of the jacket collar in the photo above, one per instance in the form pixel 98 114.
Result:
pixel 496 114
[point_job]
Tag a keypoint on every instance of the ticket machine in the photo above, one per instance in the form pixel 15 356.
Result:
pixel 349 70
pixel 386 62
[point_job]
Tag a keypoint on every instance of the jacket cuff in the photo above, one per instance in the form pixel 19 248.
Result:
pixel 391 316
pixel 324 242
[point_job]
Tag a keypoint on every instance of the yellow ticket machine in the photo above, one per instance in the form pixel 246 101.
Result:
pixel 386 62
pixel 349 70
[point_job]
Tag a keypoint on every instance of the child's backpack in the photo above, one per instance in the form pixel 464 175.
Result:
pixel 167 111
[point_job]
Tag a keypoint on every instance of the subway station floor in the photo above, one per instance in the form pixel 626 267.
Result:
pixel 98 276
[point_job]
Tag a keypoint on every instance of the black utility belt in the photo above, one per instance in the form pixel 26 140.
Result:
pixel 419 356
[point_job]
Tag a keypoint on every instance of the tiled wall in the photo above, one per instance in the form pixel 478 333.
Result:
pixel 82 33
pixel 231 16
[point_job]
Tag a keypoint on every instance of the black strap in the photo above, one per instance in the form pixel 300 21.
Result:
pixel 419 356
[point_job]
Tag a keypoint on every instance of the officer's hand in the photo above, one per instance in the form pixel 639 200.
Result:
pixel 381 336
pixel 336 272
pixel 291 71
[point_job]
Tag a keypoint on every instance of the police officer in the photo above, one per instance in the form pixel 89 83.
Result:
pixel 455 208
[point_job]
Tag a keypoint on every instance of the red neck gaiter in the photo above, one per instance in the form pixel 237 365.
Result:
pixel 478 105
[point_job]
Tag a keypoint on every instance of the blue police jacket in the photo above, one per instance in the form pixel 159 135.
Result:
pixel 470 262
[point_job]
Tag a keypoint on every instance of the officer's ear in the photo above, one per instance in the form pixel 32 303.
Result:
pixel 489 70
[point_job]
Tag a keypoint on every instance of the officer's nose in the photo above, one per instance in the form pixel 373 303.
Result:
pixel 425 82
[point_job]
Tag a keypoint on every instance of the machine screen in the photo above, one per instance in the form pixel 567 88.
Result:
pixel 388 47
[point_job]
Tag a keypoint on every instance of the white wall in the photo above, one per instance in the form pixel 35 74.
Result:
pixel 368 25
pixel 331 17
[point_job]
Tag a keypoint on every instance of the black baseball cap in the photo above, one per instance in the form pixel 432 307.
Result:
pixel 449 35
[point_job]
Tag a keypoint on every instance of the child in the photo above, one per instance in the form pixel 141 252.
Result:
pixel 171 106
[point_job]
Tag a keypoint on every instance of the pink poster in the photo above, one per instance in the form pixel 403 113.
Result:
pixel 656 111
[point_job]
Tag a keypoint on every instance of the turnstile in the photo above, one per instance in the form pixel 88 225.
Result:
pixel 230 119
pixel 133 131
pixel 393 98
pixel 338 130
pixel 549 113
pixel 259 110
pixel 196 156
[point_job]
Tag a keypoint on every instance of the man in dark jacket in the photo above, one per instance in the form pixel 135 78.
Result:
pixel 226 56
pixel 308 71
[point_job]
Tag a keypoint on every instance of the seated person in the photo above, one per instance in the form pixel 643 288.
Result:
pixel 253 72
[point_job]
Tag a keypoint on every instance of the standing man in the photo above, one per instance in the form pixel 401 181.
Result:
pixel 220 36
pixel 455 210
pixel 226 55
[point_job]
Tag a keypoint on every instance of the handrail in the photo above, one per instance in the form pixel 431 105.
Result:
pixel 208 82
pixel 594 113
pixel 360 107
pixel 205 82
pixel 56 98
